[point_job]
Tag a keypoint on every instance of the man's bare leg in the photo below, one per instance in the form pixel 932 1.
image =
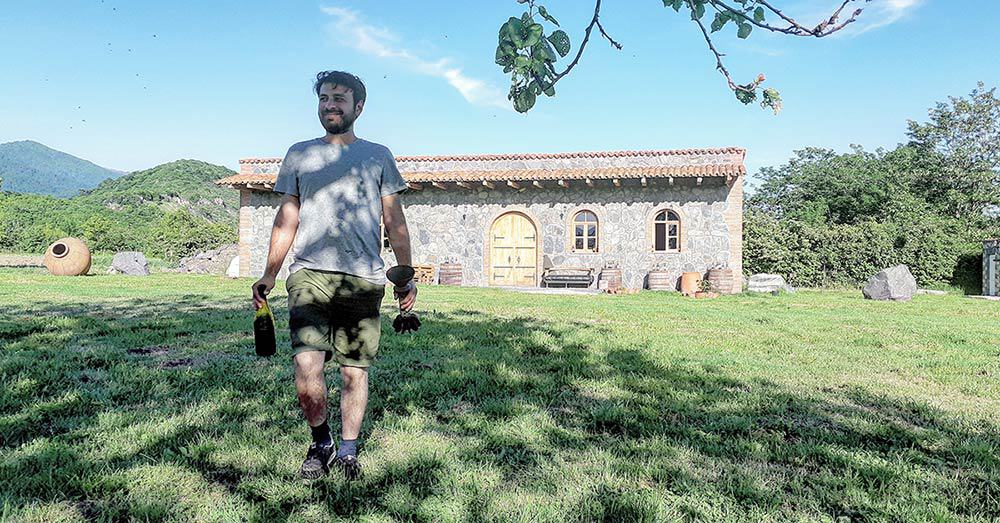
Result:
pixel 310 384
pixel 353 402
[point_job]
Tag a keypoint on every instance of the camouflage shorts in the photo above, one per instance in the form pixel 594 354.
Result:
pixel 336 313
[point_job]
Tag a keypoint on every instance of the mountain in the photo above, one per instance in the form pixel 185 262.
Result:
pixel 169 211
pixel 30 167
pixel 182 184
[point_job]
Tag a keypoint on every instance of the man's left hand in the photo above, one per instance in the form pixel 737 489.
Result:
pixel 407 297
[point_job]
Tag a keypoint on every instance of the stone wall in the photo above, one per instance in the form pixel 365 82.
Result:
pixel 991 267
pixel 260 214
pixel 454 225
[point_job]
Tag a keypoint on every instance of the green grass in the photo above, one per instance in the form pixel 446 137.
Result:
pixel 140 399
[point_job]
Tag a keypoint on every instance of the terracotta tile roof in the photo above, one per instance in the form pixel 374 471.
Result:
pixel 554 156
pixel 607 173
pixel 260 173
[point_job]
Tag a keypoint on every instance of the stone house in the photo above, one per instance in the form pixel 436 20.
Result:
pixel 506 218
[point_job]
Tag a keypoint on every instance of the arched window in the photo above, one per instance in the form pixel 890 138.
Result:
pixel 585 232
pixel 666 232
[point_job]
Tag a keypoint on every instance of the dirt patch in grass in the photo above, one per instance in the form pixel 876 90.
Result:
pixel 177 363
pixel 19 260
pixel 155 350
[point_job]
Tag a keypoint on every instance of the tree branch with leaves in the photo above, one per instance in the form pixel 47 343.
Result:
pixel 529 54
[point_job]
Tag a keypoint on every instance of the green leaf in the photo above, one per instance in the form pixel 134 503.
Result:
pixel 521 61
pixel 524 100
pixel 515 29
pixel 543 50
pixel 504 35
pixel 560 40
pixel 545 14
pixel 502 58
pixel 719 22
pixel 534 35
pixel 698 11
pixel 758 14
pixel 746 96
pixel 676 4
pixel 551 91
pixel 744 30
pixel 538 68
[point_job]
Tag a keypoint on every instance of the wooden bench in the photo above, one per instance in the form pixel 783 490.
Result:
pixel 567 277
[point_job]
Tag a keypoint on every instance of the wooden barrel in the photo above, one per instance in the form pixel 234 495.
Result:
pixel 690 282
pixel 661 281
pixel 721 280
pixel 613 277
pixel 450 274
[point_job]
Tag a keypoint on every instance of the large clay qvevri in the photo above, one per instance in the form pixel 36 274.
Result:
pixel 68 257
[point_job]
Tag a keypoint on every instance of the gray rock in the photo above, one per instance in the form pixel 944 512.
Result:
pixel 895 283
pixel 233 271
pixel 768 283
pixel 132 263
pixel 215 261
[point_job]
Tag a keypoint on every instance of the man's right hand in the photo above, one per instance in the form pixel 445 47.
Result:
pixel 258 299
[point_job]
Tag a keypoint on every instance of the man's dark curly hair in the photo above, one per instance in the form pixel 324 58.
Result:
pixel 343 79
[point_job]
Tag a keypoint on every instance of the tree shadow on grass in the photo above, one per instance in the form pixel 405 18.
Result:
pixel 102 401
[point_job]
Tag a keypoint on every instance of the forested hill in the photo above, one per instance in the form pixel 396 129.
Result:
pixel 183 184
pixel 168 211
pixel 30 167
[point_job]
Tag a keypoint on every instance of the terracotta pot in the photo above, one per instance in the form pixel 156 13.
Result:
pixel 67 257
pixel 690 283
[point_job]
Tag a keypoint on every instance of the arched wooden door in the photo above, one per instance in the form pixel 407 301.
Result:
pixel 513 251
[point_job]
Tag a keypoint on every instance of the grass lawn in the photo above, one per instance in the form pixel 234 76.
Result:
pixel 140 399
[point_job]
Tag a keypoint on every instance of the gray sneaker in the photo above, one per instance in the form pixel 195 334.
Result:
pixel 317 463
pixel 350 465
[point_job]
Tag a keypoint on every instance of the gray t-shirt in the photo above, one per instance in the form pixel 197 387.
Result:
pixel 340 190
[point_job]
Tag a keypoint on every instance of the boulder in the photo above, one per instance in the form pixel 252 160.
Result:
pixel 895 283
pixel 132 263
pixel 768 283
pixel 215 261
pixel 233 271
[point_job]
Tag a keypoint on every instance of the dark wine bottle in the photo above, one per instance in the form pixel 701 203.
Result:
pixel 263 328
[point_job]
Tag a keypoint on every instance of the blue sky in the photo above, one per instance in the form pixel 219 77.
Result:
pixel 130 85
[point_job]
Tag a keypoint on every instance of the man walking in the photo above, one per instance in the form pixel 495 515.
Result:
pixel 337 189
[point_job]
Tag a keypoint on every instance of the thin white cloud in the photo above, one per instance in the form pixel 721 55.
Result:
pixel 880 13
pixel 876 14
pixel 379 42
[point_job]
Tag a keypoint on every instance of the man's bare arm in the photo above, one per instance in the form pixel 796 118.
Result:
pixel 399 239
pixel 286 223
pixel 395 227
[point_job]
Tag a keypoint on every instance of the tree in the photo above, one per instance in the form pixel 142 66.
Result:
pixel 529 55
pixel 827 218
pixel 818 186
pixel 959 151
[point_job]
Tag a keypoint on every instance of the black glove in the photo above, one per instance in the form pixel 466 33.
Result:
pixel 406 322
